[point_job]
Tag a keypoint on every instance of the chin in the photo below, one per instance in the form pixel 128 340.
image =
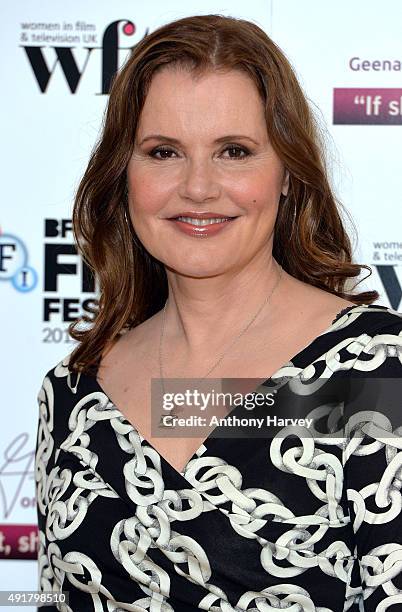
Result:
pixel 195 271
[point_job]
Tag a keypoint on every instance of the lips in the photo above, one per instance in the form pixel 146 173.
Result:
pixel 202 222
pixel 203 227
pixel 199 218
pixel 201 215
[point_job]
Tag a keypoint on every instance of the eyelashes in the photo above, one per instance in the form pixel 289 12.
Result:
pixel 167 150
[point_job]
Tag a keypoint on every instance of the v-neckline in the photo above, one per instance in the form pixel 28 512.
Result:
pixel 204 445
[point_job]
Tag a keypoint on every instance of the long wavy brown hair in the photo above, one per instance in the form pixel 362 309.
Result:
pixel 310 240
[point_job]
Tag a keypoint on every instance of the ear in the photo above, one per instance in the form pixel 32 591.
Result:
pixel 285 184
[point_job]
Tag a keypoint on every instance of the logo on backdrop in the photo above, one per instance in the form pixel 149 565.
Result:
pixel 385 258
pixel 372 106
pixel 369 105
pixel 67 281
pixel 46 60
pixel 14 266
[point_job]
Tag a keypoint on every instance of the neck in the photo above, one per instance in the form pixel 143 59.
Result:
pixel 203 315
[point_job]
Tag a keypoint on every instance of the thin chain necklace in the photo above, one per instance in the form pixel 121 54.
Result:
pixel 266 300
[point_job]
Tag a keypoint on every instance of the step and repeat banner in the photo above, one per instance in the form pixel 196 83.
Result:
pixel 57 63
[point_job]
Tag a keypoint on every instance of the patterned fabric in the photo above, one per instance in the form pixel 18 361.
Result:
pixel 250 524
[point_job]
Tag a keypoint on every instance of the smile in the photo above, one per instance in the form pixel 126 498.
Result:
pixel 202 227
pixel 193 221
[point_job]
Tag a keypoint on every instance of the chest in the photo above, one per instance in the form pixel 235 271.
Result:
pixel 135 389
pixel 130 377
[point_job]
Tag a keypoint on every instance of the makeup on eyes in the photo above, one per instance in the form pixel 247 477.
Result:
pixel 230 147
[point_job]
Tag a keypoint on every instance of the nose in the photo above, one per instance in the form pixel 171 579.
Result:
pixel 199 181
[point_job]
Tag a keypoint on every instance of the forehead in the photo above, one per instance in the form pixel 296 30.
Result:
pixel 216 100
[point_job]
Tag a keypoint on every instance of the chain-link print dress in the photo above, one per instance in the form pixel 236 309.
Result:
pixel 246 525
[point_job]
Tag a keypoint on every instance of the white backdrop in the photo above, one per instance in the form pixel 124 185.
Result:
pixel 348 59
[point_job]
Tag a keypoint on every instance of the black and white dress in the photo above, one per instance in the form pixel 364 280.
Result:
pixel 250 524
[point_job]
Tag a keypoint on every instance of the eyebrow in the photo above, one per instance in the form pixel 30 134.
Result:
pixel 175 141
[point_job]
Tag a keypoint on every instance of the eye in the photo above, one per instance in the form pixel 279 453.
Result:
pixel 237 148
pixel 162 150
pixel 165 151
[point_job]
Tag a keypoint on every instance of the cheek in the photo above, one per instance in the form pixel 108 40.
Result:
pixel 258 189
pixel 144 195
pixel 258 199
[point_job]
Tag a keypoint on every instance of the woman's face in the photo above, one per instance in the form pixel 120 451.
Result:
pixel 221 161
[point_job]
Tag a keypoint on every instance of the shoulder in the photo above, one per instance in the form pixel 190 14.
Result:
pixel 372 318
pixel 60 392
pixel 379 329
pixel 58 375
pixel 381 321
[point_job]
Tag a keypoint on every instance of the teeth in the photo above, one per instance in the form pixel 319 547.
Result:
pixel 201 221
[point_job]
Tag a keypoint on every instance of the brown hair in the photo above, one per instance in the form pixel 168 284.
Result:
pixel 132 283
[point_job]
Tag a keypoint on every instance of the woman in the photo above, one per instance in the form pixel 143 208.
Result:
pixel 207 216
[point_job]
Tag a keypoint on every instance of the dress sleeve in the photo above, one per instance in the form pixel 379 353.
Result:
pixel 44 461
pixel 373 473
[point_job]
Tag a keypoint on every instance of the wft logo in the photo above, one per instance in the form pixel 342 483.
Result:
pixel 386 256
pixel 14 263
pixel 63 58
pixel 391 283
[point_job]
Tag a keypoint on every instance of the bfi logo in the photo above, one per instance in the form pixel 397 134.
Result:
pixel 58 247
pixel 14 266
